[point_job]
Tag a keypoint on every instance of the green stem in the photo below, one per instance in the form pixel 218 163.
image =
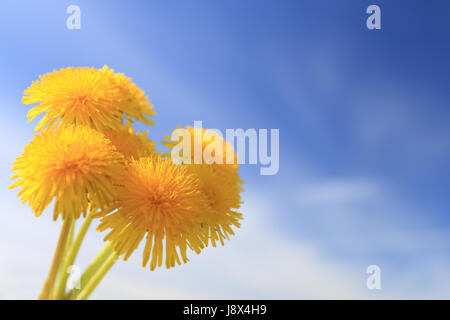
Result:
pixel 71 256
pixel 57 258
pixel 97 277
pixel 93 267
pixel 52 294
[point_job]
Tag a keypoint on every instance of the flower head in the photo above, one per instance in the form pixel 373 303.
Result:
pixel 133 99
pixel 131 144
pixel 87 96
pixel 159 199
pixel 73 165
pixel 221 186
pixel 219 182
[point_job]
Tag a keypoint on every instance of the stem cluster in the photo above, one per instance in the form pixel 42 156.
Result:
pixel 66 251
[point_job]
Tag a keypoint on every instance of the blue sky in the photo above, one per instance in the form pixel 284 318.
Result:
pixel 364 137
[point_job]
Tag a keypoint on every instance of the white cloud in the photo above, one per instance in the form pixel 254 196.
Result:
pixel 336 192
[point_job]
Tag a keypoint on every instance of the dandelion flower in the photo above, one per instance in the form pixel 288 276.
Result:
pixel 87 96
pixel 131 144
pixel 220 183
pixel 73 164
pixel 133 100
pixel 221 186
pixel 161 199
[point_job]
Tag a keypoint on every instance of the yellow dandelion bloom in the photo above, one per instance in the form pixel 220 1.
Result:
pixel 161 199
pixel 133 100
pixel 87 96
pixel 131 144
pixel 221 186
pixel 206 144
pixel 73 165
pixel 219 182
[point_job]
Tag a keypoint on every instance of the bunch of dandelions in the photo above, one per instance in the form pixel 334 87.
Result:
pixel 87 160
